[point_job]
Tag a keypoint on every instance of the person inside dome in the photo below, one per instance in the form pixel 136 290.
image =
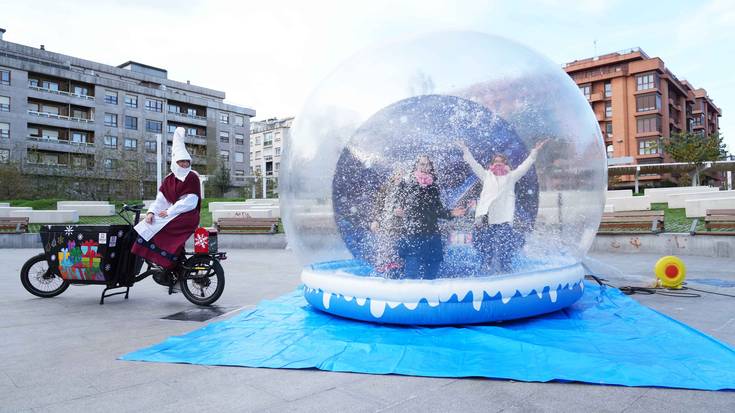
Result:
pixel 420 243
pixel 493 235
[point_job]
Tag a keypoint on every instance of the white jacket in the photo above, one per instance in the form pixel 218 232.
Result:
pixel 498 196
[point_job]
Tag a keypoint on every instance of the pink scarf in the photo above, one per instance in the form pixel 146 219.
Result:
pixel 499 169
pixel 423 178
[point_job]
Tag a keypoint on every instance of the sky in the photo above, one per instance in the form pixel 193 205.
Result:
pixel 268 55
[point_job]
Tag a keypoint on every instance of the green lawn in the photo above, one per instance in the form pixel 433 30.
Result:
pixel 675 219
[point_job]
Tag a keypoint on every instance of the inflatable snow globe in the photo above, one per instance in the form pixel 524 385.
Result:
pixel 450 178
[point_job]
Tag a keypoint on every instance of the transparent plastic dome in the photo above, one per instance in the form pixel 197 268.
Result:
pixel 389 170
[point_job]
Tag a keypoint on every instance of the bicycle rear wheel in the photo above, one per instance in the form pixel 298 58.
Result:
pixel 202 280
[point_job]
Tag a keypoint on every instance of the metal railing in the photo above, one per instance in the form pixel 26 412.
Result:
pixel 56 140
pixel 187 115
pixel 56 116
pixel 60 92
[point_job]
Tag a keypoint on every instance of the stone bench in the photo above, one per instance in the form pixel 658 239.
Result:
pixel 663 194
pixel 90 210
pixel 231 206
pixel 618 193
pixel 697 208
pixel 240 213
pixel 6 211
pixel 679 200
pixel 633 203
pixel 48 216
pixel 59 204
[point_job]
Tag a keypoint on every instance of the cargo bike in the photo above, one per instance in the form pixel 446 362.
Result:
pixel 100 254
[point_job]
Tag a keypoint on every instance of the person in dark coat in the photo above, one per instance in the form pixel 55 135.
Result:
pixel 420 243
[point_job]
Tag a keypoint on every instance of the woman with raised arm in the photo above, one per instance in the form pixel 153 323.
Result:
pixel 493 235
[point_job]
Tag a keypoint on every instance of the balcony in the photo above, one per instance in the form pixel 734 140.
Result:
pixel 57 140
pixel 595 97
pixel 59 92
pixel 187 115
pixel 60 117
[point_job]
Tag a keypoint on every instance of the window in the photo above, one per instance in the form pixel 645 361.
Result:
pixel 277 151
pixel 608 89
pixel 130 144
pixel 171 128
pixel 608 109
pixel 131 122
pixel 610 151
pixel 586 90
pixel 650 101
pixel 608 129
pixel 4 130
pixel 191 131
pixel 239 120
pixel 110 97
pixel 239 139
pixel 191 112
pixel 224 137
pixel 78 137
pixel 110 142
pixel 257 140
pixel 268 139
pixel 131 101
pixel 153 126
pixel 81 90
pixel 646 124
pixel 225 155
pixel 79 113
pixel 111 120
pixel 109 163
pixel 4 155
pixel 150 168
pixel 257 154
pixel 239 157
pixel 154 105
pixel 174 108
pixel 278 137
pixel 276 166
pixel 224 118
pixel 648 147
pixel 52 135
pixel 47 84
pixel 150 146
pixel 647 81
pixel 4 104
pixel 239 172
pixel 5 77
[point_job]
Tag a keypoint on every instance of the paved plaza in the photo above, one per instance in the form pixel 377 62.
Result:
pixel 60 354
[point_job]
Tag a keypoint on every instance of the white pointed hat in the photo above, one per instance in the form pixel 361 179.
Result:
pixel 179 153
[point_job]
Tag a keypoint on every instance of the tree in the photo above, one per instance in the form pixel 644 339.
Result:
pixel 221 179
pixel 695 149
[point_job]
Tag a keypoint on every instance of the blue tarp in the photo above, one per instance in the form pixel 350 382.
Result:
pixel 605 338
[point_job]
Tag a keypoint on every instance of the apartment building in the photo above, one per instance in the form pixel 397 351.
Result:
pixel 637 101
pixel 66 116
pixel 266 144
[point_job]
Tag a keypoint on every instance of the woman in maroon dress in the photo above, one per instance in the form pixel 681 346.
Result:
pixel 174 215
